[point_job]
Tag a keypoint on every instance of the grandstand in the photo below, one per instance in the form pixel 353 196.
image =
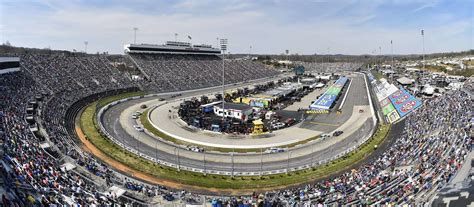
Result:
pixel 49 167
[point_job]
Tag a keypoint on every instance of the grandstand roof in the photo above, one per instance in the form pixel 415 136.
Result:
pixel 405 81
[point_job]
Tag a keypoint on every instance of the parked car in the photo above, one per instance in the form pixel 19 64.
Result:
pixel 290 121
pixel 278 125
pixel 337 133
pixel 168 197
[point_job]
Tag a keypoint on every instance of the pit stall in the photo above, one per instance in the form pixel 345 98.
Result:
pixel 329 97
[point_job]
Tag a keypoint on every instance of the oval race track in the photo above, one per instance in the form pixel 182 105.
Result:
pixel 239 163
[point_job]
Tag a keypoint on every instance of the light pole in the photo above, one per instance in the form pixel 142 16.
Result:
pixel 232 156
pixel 176 152
pixel 85 46
pixel 380 55
pixel 288 161
pixel 391 51
pixel 328 60
pixel 423 42
pixel 223 49
pixel 204 162
pixel 135 35
pixel 261 161
pixel 250 51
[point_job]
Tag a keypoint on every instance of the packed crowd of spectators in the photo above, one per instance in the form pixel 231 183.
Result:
pixel 432 147
pixel 185 72
pixel 31 175
pixel 32 167
pixel 428 154
pixel 330 67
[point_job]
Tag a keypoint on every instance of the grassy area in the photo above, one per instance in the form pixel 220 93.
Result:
pixel 147 125
pixel 215 181
pixel 110 99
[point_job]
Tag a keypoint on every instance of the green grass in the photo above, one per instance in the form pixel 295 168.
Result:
pixel 89 128
pixel 147 125
pixel 110 99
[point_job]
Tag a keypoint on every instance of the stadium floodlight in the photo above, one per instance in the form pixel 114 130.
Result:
pixel 423 42
pixel 135 35
pixel 223 49
pixel 85 46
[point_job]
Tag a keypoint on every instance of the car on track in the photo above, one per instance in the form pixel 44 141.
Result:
pixel 144 106
pixel 337 133
pixel 136 114
pixel 138 128
pixel 325 135
pixel 274 150
pixel 195 148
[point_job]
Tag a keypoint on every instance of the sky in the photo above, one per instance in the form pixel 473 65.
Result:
pixel 254 26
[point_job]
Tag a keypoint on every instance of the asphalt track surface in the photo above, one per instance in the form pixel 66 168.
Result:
pixel 196 160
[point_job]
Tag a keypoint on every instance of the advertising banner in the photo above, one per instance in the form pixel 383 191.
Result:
pixel 324 102
pixel 393 116
pixel 404 102
pixel 387 109
pixel 385 102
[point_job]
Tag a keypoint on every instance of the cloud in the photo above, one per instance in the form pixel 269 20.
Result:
pixel 425 6
pixel 304 27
